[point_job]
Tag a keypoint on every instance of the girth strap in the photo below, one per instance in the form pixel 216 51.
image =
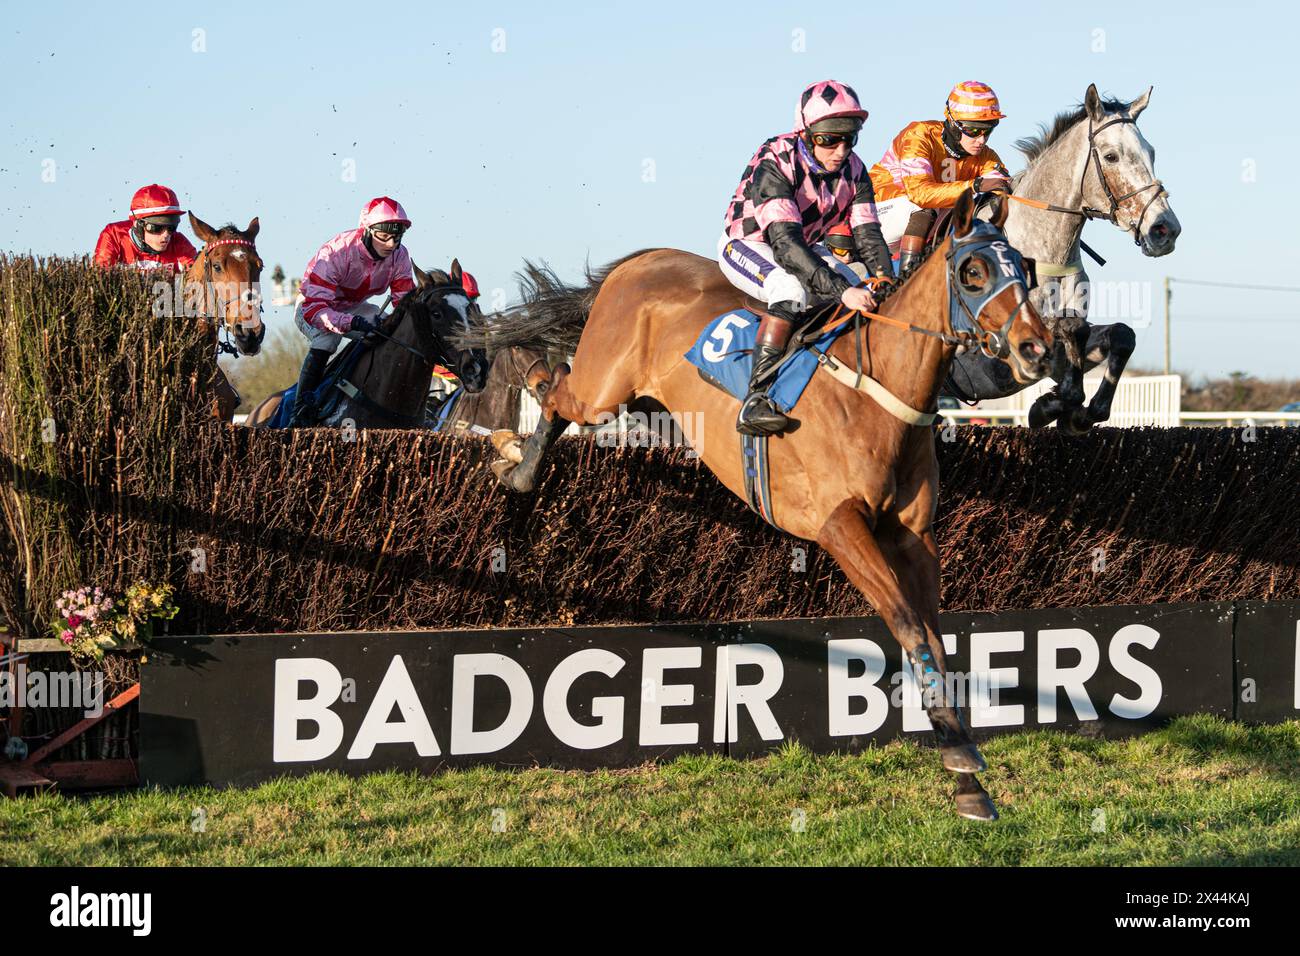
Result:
pixel 368 403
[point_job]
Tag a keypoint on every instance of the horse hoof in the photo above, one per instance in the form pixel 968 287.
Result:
pixel 975 806
pixel 502 468
pixel 971 800
pixel 963 758
pixel 508 445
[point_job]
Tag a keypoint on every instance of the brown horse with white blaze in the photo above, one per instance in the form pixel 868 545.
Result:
pixel 229 271
pixel 857 472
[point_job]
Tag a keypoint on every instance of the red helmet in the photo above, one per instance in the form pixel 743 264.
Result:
pixel 840 237
pixel 154 200
pixel 470 286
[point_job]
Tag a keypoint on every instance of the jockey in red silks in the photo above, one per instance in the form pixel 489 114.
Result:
pixel 148 239
pixel 344 273
pixel 795 189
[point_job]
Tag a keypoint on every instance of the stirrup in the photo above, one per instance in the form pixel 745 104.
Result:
pixel 760 416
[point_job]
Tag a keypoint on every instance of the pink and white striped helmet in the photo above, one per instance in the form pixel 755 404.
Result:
pixel 824 100
pixel 383 209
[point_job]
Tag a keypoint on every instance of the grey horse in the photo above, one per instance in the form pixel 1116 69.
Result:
pixel 1091 163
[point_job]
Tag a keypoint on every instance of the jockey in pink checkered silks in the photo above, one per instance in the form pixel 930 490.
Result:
pixel 344 273
pixel 797 187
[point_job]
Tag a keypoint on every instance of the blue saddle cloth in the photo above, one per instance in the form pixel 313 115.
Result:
pixel 724 353
pixel 327 396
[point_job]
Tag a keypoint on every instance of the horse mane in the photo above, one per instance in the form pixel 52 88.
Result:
pixel 1048 133
pixel 552 314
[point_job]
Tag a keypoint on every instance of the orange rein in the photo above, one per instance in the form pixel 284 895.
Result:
pixel 836 320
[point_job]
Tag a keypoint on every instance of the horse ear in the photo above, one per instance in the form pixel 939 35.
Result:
pixel 962 213
pixel 455 272
pixel 202 229
pixel 251 231
pixel 1138 105
pixel 1000 207
pixel 421 277
pixel 1092 103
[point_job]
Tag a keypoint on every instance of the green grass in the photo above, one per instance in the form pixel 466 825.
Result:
pixel 1202 791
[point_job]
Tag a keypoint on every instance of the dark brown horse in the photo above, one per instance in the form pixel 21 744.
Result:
pixel 513 371
pixel 228 270
pixel 858 472
pixel 389 385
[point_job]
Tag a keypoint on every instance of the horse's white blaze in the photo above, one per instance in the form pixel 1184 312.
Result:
pixel 238 254
pixel 461 304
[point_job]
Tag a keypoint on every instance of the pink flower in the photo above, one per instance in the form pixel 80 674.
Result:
pixel 74 621
pixel 67 636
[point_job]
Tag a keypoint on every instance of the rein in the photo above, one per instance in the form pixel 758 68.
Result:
pixel 993 344
pixel 357 394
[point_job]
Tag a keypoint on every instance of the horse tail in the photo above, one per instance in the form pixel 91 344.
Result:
pixel 551 316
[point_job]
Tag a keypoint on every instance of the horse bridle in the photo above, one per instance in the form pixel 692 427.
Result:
pixel 1136 225
pixel 437 291
pixel 1088 212
pixel 223 345
pixel 1006 269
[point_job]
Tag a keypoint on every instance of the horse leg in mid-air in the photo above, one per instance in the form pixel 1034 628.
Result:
pixel 1112 344
pixel 893 559
pixel 606 370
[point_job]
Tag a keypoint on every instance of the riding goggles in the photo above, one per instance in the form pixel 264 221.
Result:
pixel 975 131
pixel 831 140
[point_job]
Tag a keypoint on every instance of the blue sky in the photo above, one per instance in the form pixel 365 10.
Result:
pixel 543 149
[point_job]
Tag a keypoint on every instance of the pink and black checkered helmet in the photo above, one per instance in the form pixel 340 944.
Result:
pixel 827 99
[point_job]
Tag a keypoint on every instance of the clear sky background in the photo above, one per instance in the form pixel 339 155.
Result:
pixel 569 132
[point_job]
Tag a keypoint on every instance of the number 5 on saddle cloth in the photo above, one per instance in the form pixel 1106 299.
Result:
pixel 724 355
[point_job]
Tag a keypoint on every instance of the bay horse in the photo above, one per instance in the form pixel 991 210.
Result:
pixel 389 385
pixel 1091 163
pixel 228 270
pixel 857 472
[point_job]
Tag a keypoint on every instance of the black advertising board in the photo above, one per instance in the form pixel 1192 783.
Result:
pixel 233 710
pixel 238 709
pixel 1105 671
pixel 1268 661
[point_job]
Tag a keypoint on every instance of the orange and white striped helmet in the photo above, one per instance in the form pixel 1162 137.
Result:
pixel 973 102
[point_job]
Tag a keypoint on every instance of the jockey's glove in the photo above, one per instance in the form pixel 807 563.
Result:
pixel 363 324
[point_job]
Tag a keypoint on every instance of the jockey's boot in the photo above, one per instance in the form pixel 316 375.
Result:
pixel 305 410
pixel 910 249
pixel 912 246
pixel 758 413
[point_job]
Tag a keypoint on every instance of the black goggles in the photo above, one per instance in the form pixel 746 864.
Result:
pixel 831 140
pixel 975 131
